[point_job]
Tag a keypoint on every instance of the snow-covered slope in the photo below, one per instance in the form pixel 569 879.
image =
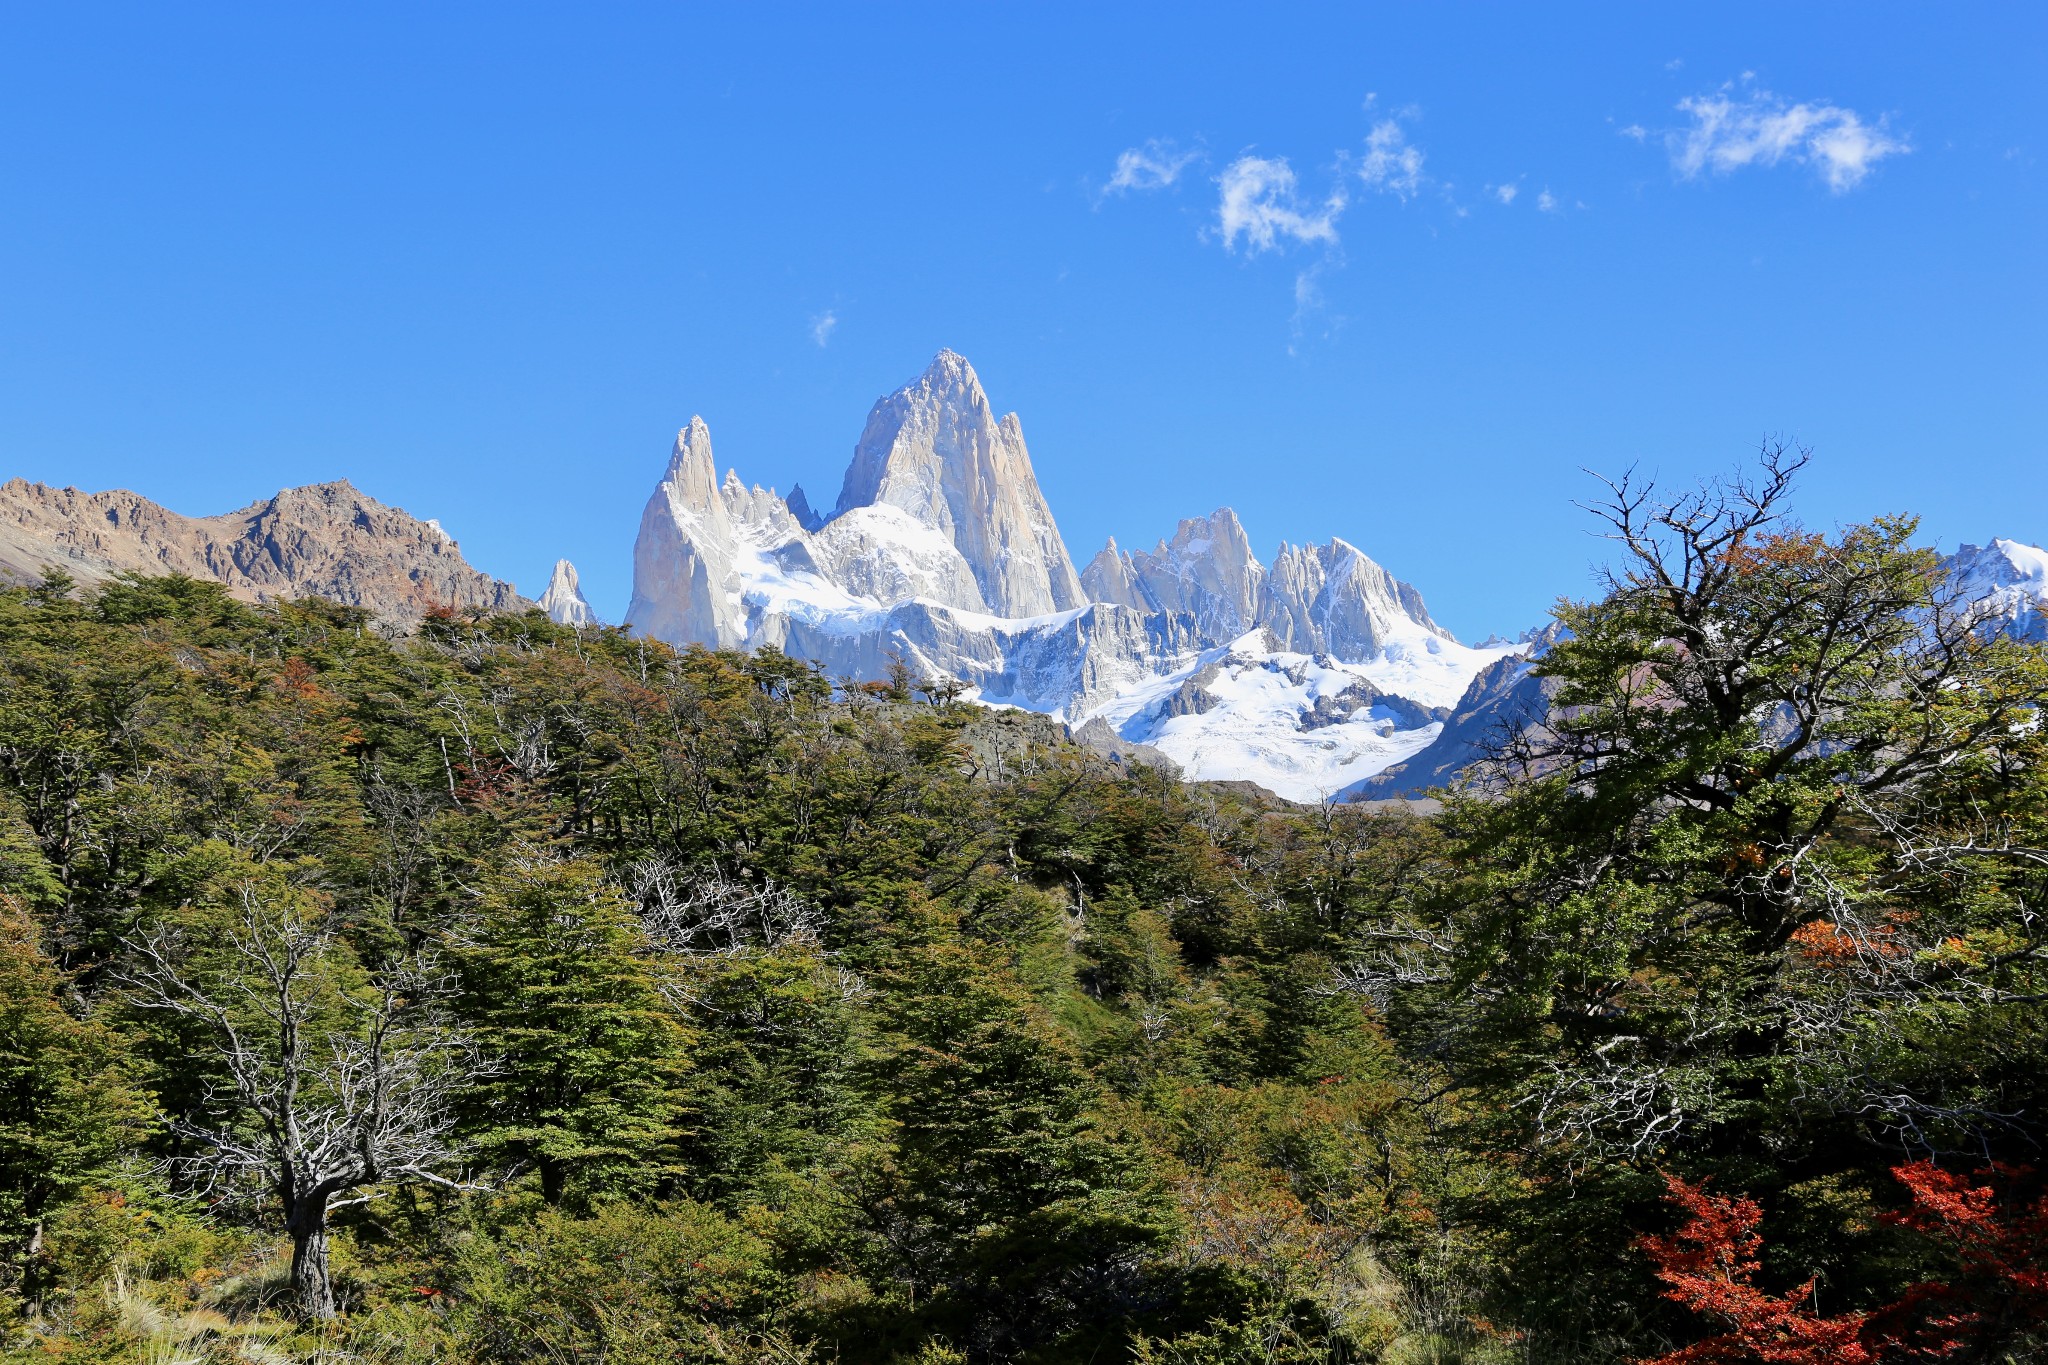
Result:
pixel 1305 726
pixel 1306 677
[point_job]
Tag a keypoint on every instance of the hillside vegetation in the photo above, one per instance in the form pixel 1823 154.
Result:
pixel 508 992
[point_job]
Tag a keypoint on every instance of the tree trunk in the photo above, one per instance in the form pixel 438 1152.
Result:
pixel 312 1291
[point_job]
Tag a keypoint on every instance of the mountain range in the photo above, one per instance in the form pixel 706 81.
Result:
pixel 1317 675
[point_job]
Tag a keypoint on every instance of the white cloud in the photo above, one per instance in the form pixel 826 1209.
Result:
pixel 822 325
pixel 1392 163
pixel 1153 166
pixel 1506 193
pixel 1259 205
pixel 1732 129
pixel 1546 202
pixel 1634 130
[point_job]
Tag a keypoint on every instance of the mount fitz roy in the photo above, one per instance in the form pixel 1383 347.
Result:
pixel 1307 677
pixel 1318 675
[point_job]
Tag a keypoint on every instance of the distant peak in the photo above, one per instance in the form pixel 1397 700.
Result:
pixel 1222 521
pixel 564 601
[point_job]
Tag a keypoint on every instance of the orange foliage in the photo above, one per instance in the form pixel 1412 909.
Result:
pixel 1823 943
pixel 1787 549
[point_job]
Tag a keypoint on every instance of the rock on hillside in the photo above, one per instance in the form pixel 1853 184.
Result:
pixel 323 540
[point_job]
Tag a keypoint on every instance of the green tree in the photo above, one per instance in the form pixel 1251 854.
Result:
pixel 1010 1203
pixel 1709 874
pixel 66 1104
pixel 590 1058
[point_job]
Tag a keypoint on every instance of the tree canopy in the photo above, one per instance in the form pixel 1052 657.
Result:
pixel 504 991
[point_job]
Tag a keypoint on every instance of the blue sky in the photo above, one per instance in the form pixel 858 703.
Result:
pixel 1393 273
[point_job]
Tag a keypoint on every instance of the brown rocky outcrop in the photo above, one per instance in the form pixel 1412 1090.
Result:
pixel 324 540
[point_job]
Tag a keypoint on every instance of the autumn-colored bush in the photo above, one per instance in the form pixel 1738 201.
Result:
pixel 1993 1301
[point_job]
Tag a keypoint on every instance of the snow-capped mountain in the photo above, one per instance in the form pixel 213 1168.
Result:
pixel 936 451
pixel 564 601
pixel 2008 582
pixel 1306 676
pixel 1317 675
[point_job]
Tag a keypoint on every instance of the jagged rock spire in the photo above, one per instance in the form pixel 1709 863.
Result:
pixel 564 601
pixel 936 450
pixel 685 588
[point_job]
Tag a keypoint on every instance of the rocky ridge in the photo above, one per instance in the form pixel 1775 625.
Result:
pixel 323 540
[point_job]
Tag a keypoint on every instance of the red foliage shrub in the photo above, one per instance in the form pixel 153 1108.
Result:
pixel 1994 1301
pixel 1708 1265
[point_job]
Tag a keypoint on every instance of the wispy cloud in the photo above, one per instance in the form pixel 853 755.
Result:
pixel 1546 202
pixel 1154 166
pixel 1506 193
pixel 1392 163
pixel 1311 310
pixel 1739 126
pixel 1260 207
pixel 822 325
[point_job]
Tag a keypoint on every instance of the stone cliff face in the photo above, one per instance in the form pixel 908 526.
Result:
pixel 936 449
pixel 1317 599
pixel 1332 599
pixel 685 585
pixel 323 540
pixel 940 505
pixel 1207 571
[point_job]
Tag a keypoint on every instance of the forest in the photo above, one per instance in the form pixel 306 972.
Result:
pixel 501 991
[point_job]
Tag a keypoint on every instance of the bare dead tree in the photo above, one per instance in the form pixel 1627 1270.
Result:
pixel 703 912
pixel 330 1088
